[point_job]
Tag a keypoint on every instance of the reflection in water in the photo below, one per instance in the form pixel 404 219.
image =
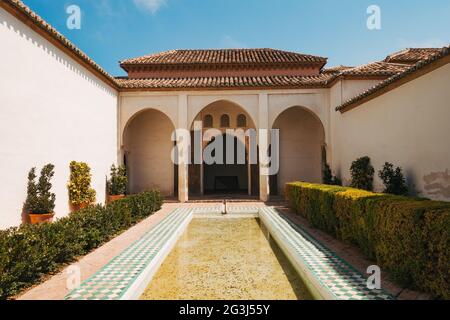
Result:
pixel 225 259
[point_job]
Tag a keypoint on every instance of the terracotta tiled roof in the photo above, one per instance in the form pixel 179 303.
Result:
pixel 225 56
pixel 336 69
pixel 376 69
pixel 392 66
pixel 40 23
pixel 411 55
pixel 373 91
pixel 226 82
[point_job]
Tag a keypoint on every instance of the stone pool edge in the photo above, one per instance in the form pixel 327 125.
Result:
pixel 138 287
pixel 317 291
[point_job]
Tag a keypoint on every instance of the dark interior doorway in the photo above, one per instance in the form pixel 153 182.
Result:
pixel 227 178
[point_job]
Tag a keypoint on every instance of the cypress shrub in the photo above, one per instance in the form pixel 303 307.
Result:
pixel 29 252
pixel 409 237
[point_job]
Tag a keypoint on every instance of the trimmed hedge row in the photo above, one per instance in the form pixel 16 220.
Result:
pixel 409 237
pixel 29 252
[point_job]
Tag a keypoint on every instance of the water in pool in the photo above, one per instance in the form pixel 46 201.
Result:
pixel 226 259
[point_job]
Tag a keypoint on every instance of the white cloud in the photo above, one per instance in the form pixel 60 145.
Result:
pixel 150 5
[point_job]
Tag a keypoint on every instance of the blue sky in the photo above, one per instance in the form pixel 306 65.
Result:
pixel 113 30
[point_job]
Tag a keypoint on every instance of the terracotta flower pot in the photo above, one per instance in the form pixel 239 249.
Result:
pixel 114 198
pixel 78 207
pixel 41 218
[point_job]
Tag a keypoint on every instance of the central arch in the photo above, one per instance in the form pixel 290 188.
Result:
pixel 206 178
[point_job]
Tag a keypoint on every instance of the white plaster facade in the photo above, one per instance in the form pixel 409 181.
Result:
pixel 408 126
pixel 54 110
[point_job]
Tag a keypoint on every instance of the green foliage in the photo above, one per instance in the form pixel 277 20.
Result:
pixel 39 198
pixel 362 174
pixel 394 181
pixel 29 252
pixel 328 177
pixel 407 236
pixel 80 191
pixel 117 184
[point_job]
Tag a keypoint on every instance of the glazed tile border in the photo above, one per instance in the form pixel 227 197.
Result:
pixel 334 275
pixel 115 279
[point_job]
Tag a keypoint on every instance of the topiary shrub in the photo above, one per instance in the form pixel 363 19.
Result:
pixel 80 191
pixel 29 252
pixel 40 200
pixel 117 184
pixel 409 237
pixel 362 174
pixel 393 180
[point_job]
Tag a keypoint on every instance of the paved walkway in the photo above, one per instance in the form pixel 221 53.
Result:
pixel 55 288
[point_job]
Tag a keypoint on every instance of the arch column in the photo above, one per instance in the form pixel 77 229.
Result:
pixel 183 193
pixel 263 119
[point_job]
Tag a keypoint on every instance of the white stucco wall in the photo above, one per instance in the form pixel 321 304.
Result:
pixel 52 110
pixel 351 88
pixel 408 126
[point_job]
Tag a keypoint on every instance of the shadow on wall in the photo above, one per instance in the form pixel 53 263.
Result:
pixel 30 36
pixel 437 184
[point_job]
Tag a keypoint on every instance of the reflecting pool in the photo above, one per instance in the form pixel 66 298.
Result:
pixel 226 259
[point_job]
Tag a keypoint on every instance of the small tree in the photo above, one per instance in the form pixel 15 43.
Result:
pixel 80 191
pixel 328 177
pixel 117 184
pixel 394 181
pixel 39 198
pixel 362 173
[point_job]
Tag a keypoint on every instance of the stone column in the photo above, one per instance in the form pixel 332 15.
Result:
pixel 183 170
pixel 263 119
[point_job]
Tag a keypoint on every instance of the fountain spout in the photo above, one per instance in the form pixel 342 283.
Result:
pixel 224 207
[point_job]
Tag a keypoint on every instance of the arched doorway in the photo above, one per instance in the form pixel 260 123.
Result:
pixel 225 176
pixel 223 116
pixel 148 153
pixel 302 137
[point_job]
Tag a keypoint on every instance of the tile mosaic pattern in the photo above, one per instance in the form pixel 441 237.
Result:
pixel 239 208
pixel 215 209
pixel 231 209
pixel 332 272
pixel 113 280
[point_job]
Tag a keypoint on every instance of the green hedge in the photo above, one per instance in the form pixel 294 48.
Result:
pixel 27 253
pixel 409 237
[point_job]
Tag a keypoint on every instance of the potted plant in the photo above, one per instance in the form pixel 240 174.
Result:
pixel 81 194
pixel 117 184
pixel 40 202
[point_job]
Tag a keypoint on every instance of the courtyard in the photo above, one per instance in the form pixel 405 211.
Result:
pixel 223 174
